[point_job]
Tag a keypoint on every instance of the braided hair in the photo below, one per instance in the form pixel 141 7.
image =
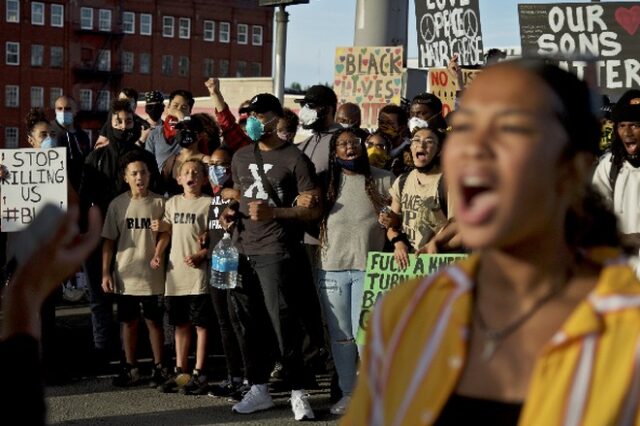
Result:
pixel 334 176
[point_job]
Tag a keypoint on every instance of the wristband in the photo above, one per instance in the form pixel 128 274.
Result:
pixel 400 237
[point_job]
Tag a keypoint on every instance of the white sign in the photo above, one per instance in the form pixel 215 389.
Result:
pixel 34 177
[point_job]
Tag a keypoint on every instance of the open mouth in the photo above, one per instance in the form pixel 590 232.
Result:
pixel 631 145
pixel 191 183
pixel 479 199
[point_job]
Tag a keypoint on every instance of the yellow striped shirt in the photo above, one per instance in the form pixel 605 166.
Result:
pixel 588 374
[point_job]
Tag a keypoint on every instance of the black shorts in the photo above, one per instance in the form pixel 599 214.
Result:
pixel 129 307
pixel 196 309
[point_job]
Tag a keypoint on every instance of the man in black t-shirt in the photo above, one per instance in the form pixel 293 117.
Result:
pixel 270 175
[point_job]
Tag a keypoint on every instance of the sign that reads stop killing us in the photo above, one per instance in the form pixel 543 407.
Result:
pixel 607 32
pixel 446 27
pixel 34 178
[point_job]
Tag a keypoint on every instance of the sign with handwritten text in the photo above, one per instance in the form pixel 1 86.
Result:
pixel 370 77
pixel 444 85
pixel 33 178
pixel 383 274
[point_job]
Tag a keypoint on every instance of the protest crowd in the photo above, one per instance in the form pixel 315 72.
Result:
pixel 304 213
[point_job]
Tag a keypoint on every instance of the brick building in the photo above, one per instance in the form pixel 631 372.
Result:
pixel 93 48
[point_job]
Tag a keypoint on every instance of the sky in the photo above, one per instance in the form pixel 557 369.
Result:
pixel 317 28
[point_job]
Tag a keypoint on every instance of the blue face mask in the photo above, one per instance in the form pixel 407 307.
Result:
pixel 254 128
pixel 64 117
pixel 46 143
pixel 218 175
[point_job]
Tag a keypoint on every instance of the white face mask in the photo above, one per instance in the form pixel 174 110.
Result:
pixel 415 123
pixel 308 116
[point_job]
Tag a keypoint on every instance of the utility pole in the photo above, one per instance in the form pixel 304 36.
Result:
pixel 382 23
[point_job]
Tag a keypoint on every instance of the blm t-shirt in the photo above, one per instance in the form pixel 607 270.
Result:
pixel 128 221
pixel 290 172
pixel 215 210
pixel 188 219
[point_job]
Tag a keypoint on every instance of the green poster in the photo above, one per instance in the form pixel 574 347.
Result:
pixel 383 274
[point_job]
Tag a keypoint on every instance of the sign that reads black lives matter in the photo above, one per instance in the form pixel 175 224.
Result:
pixel 446 27
pixel 606 32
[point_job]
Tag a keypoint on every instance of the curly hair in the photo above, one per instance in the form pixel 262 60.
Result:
pixel 334 176
pixel 203 122
pixel 35 116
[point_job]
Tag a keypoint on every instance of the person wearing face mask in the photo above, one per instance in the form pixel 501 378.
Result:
pixel 161 140
pixel 101 183
pixel 233 134
pixel 130 95
pixel 154 107
pixel 71 136
pixel 349 115
pixel 270 174
pixel 617 176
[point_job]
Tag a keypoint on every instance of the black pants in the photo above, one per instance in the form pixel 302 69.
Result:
pixel 101 303
pixel 222 305
pixel 263 306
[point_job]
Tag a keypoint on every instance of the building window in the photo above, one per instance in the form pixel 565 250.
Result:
pixel 184 28
pixel 11 137
pixel 145 63
pixel 225 32
pixel 224 68
pixel 12 56
pixel 57 15
pixel 37 97
pixel 145 24
pixel 256 36
pixel 127 62
pixel 86 18
pixel 241 69
pixel 256 69
pixel 104 20
pixel 129 23
pixel 104 60
pixel 183 66
pixel 57 56
pixel 102 102
pixel 243 33
pixel 209 31
pixel 167 64
pixel 37 54
pixel 167 26
pixel 54 93
pixel 207 69
pixel 12 11
pixel 37 13
pixel 86 99
pixel 11 96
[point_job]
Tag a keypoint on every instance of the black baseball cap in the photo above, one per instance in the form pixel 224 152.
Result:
pixel 319 95
pixel 429 99
pixel 265 102
pixel 154 97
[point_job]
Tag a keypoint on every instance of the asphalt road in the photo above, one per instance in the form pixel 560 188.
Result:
pixel 86 399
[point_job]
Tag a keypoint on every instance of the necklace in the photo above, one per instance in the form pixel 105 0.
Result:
pixel 493 337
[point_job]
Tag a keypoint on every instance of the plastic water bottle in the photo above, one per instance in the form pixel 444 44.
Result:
pixel 224 264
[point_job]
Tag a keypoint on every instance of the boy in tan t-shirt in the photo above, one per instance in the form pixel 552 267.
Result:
pixel 187 284
pixel 137 276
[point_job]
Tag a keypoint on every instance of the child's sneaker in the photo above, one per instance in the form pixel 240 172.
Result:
pixel 159 375
pixel 175 382
pixel 197 384
pixel 225 388
pixel 257 399
pixel 129 376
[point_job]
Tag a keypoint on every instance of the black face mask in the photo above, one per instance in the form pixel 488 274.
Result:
pixel 127 135
pixel 154 111
pixel 634 160
pixel 186 138
pixel 357 165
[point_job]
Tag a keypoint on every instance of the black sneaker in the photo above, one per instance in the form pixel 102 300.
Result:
pixel 224 389
pixel 197 384
pixel 129 376
pixel 239 393
pixel 176 381
pixel 159 375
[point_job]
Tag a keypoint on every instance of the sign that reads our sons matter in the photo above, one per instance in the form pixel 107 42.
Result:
pixel 33 178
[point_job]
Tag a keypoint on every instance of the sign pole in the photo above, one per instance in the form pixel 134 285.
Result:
pixel 282 18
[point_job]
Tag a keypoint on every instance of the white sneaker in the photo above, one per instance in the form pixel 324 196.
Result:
pixel 257 399
pixel 340 407
pixel 300 406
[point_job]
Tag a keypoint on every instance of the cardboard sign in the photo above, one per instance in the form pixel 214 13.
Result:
pixel 370 77
pixel 35 177
pixel 383 274
pixel 444 85
pixel 606 32
pixel 446 27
